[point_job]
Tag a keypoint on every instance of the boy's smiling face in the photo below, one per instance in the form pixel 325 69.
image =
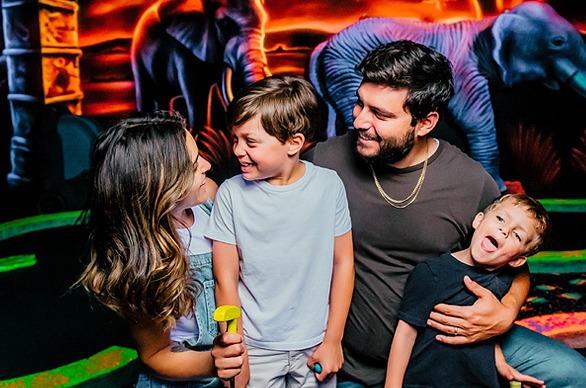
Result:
pixel 502 236
pixel 261 156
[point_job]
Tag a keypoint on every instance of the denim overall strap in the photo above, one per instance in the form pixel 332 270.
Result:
pixel 207 206
pixel 200 267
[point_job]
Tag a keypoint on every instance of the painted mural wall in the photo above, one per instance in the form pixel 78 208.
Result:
pixel 537 128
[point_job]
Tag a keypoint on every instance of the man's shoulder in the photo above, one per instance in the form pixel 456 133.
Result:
pixel 336 141
pixel 321 172
pixel 456 155
pixel 469 170
pixel 330 152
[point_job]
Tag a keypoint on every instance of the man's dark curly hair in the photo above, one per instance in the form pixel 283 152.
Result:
pixel 424 72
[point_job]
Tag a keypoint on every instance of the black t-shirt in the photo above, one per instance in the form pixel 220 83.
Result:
pixel 389 242
pixel 435 364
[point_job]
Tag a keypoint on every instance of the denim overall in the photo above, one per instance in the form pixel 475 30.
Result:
pixel 200 268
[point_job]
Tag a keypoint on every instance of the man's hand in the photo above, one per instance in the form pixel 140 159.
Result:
pixel 228 353
pixel 510 373
pixel 486 318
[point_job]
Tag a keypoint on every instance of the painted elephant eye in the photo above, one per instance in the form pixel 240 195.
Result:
pixel 558 41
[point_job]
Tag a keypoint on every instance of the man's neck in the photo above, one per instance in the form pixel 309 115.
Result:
pixel 422 149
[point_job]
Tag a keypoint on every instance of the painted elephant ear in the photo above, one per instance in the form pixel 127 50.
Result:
pixel 504 32
pixel 197 34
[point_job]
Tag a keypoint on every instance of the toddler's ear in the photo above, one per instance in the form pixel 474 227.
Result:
pixel 519 261
pixel 477 220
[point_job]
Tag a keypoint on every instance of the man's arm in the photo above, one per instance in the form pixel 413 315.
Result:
pixel 486 318
pixel 153 345
pixel 401 348
pixel 329 353
pixel 226 274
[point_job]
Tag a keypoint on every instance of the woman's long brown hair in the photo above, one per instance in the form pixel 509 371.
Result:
pixel 138 267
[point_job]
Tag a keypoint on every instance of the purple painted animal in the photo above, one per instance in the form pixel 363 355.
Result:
pixel 181 50
pixel 529 43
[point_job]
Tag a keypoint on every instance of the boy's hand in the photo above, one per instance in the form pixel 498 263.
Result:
pixel 242 379
pixel 330 356
pixel 486 318
pixel 510 373
pixel 228 353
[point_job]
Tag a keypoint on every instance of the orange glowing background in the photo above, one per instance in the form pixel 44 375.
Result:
pixel 294 28
pixel 103 20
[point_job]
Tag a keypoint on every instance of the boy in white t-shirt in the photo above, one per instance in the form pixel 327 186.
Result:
pixel 282 241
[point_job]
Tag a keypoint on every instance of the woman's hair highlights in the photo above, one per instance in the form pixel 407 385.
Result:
pixel 138 268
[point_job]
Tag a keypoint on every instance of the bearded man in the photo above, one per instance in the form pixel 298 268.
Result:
pixel 411 197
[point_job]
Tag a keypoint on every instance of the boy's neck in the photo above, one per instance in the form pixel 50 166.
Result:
pixel 465 257
pixel 290 173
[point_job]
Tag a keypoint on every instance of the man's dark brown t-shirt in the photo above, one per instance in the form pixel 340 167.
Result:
pixel 389 242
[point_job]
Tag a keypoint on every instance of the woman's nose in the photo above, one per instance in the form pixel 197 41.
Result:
pixel 205 165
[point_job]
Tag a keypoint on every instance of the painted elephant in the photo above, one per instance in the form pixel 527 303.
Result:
pixel 529 43
pixel 181 47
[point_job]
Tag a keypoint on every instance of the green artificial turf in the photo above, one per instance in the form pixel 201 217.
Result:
pixel 77 372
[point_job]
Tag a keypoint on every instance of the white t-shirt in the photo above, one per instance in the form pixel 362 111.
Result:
pixel 285 238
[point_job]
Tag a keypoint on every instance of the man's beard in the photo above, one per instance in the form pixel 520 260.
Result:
pixel 392 150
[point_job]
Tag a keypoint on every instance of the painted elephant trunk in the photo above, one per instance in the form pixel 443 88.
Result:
pixel 244 54
pixel 569 74
pixel 180 47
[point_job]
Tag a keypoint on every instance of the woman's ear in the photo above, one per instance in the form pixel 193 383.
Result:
pixel 295 144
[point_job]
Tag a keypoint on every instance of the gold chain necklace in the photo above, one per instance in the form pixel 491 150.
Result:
pixel 403 203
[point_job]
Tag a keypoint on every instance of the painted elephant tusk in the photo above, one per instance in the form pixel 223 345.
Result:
pixel 578 83
pixel 569 74
pixel 226 87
